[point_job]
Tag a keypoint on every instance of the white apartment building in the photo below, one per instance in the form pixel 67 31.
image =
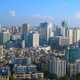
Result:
pixel 57 66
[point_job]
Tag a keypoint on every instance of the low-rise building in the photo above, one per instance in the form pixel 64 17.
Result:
pixel 4 73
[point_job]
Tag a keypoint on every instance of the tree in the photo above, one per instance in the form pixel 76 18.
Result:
pixel 52 76
pixel 64 78
pixel 11 78
pixel 40 78
pixel 78 76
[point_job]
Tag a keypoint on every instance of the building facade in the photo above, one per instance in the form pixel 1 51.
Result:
pixel 57 66
pixel 4 37
pixel 45 32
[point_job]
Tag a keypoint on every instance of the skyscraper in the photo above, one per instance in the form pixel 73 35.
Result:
pixel 64 28
pixel 31 39
pixel 57 66
pixel 4 37
pixel 36 40
pixel 45 32
pixel 26 28
pixel 0 27
pixel 76 36
pixel 70 36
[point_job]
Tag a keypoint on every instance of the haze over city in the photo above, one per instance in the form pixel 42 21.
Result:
pixel 35 11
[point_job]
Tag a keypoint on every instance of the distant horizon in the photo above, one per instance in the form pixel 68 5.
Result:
pixel 38 23
pixel 35 11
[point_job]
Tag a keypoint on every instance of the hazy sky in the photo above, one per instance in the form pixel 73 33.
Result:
pixel 34 11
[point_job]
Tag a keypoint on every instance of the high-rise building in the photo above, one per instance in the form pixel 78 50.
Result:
pixel 4 37
pixel 36 39
pixel 31 39
pixel 13 29
pixel 23 43
pixel 64 29
pixel 26 28
pixel 70 36
pixel 57 31
pixel 1 50
pixel 54 42
pixel 16 36
pixel 0 27
pixel 63 41
pixel 57 66
pixel 75 67
pixel 77 63
pixel 76 35
pixel 45 32
pixel 19 29
pixel 72 69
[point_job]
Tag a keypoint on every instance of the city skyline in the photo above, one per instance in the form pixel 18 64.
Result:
pixel 39 40
pixel 34 12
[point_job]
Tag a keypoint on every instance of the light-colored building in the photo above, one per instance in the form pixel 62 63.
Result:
pixel 38 75
pixel 16 36
pixel 0 27
pixel 23 43
pixel 21 76
pixel 63 41
pixel 1 50
pixel 32 39
pixel 70 36
pixel 77 63
pixel 76 34
pixel 4 37
pixel 74 67
pixel 36 39
pixel 57 66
